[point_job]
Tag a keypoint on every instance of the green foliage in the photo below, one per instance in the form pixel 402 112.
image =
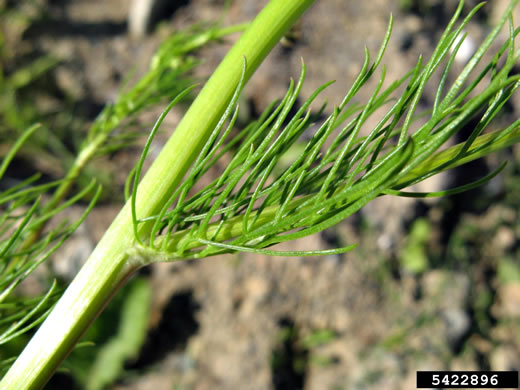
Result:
pixel 168 75
pixel 508 271
pixel 20 80
pixel 295 352
pixel 252 206
pixel 24 244
pixel 21 214
pixel 414 257
pixel 318 337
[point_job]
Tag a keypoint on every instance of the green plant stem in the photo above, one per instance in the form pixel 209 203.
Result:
pixel 88 152
pixel 482 146
pixel 65 187
pixel 107 267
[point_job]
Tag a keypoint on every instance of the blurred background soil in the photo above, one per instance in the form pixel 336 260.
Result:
pixel 432 285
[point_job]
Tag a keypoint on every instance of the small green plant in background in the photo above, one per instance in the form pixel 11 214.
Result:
pixel 19 79
pixel 114 339
pixel 293 353
pixel 508 271
pixel 414 256
pixel 252 205
pixel 128 340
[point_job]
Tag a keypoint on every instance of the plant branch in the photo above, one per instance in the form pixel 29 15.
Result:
pixel 107 267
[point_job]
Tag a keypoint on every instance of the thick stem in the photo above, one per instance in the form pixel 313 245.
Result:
pixel 107 267
pixel 483 145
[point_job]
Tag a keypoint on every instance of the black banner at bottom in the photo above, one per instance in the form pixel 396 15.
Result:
pixel 467 379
